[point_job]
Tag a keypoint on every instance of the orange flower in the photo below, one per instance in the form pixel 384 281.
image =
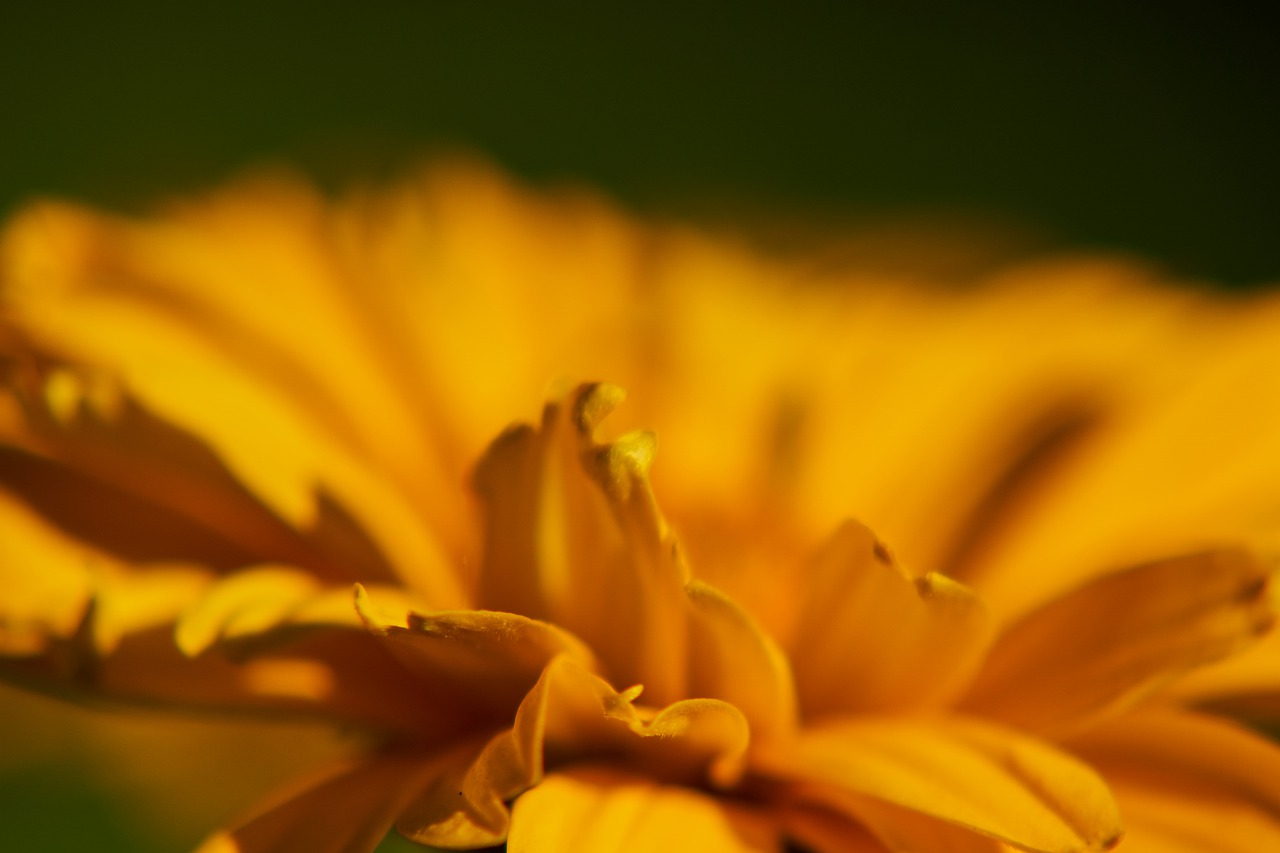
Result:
pixel 220 420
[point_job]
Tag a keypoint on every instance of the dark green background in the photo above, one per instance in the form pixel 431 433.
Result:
pixel 1142 128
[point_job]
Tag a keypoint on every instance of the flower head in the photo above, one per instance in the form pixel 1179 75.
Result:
pixel 257 455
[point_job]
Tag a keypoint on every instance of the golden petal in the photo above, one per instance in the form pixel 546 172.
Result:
pixel 693 741
pixel 573 535
pixel 265 606
pixel 574 716
pixel 869 638
pixel 1188 783
pixel 193 340
pixel 1119 637
pixel 47 582
pixel 590 808
pixel 1247 683
pixel 992 781
pixel 347 810
pixel 731 658
pixel 140 488
pixel 488 660
pixel 302 649
pixel 825 831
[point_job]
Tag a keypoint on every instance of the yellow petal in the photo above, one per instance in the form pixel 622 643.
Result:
pixel 575 716
pixel 825 831
pixel 141 599
pixel 47 582
pixel 1117 638
pixel 600 810
pixel 467 807
pixel 573 535
pixel 867 637
pixel 347 811
pixel 267 606
pixel 426 249
pixel 992 781
pixel 138 303
pixel 487 660
pixel 1247 683
pixel 68 605
pixel 115 475
pixel 248 602
pixel 694 741
pixel 1194 408
pixel 730 658
pixel 338 674
pixel 1189 783
pixel 305 658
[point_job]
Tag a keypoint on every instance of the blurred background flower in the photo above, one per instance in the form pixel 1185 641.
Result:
pixel 997 130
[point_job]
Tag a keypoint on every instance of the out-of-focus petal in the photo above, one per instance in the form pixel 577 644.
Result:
pixel 76 446
pixel 47 582
pixel 268 606
pixel 425 250
pixel 1245 685
pixel 1183 462
pixel 992 781
pixel 346 811
pixel 867 637
pixel 825 831
pixel 137 303
pixel 1188 783
pixel 590 808
pixel 343 675
pixel 1118 637
pixel 294 651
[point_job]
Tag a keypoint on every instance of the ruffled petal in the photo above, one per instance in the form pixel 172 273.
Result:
pixel 1189 783
pixel 1119 637
pixel 595 809
pixel 573 536
pixel 869 638
pixel 976 776
pixel 484 660
pixel 573 715
pixel 693 741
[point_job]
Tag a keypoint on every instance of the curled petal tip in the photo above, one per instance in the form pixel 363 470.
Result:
pixel 367 612
pixel 594 402
pixel 620 464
